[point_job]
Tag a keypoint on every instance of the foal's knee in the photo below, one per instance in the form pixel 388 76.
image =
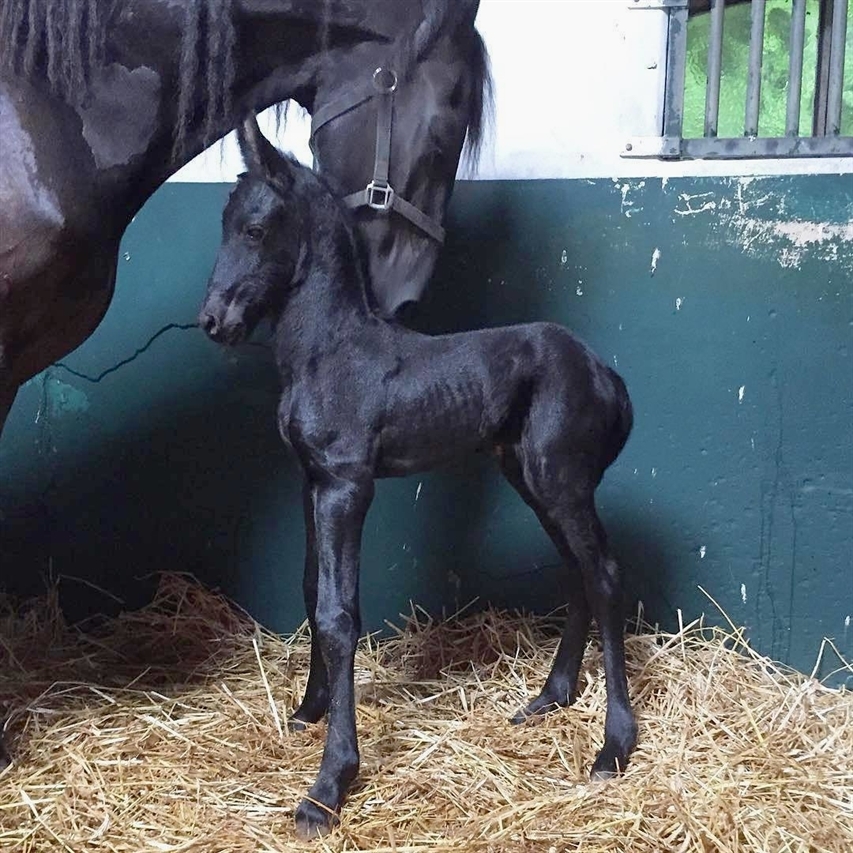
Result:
pixel 337 630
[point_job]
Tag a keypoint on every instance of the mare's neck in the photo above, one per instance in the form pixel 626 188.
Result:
pixel 278 54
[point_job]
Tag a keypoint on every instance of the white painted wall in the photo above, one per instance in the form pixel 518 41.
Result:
pixel 574 79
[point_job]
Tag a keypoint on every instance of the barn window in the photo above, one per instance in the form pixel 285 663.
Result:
pixel 753 79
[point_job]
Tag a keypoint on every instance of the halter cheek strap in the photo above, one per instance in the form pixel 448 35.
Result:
pixel 378 194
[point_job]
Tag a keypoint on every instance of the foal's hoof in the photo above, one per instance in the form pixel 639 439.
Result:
pixel 542 704
pixel 300 720
pixel 611 762
pixel 314 821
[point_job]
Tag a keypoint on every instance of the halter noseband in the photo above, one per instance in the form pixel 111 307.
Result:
pixel 378 194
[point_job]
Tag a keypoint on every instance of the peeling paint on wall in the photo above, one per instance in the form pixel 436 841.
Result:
pixel 744 214
pixel 627 206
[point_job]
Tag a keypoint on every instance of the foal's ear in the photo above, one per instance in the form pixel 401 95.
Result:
pixel 258 153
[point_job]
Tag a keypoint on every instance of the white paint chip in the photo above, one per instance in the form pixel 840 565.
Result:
pixel 740 393
pixel 743 593
pixel 418 491
pixel 564 258
pixel 678 303
pixel 654 472
pixel 655 259
pixel 702 552
pixel 579 290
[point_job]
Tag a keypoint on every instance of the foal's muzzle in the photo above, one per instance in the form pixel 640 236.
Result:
pixel 224 324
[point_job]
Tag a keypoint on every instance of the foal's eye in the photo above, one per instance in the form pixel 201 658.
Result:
pixel 255 233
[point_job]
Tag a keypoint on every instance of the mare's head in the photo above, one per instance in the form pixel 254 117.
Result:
pixel 437 89
pixel 264 241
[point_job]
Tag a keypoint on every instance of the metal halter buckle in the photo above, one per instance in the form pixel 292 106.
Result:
pixel 385 80
pixel 379 196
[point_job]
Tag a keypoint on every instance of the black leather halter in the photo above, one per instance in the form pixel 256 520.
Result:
pixel 378 194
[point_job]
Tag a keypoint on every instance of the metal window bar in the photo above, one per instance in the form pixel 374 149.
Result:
pixel 824 50
pixel 795 67
pixel 836 67
pixel 826 141
pixel 753 74
pixel 715 67
pixel 676 72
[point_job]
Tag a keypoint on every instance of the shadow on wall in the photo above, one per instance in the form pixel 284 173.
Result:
pixel 174 462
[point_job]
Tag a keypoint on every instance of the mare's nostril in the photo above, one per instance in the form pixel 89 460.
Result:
pixel 209 324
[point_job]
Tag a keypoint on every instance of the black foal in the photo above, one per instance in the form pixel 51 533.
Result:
pixel 363 398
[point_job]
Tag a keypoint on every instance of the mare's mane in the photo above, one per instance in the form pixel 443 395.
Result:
pixel 63 43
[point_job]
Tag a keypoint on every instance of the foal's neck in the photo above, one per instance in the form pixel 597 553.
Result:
pixel 330 305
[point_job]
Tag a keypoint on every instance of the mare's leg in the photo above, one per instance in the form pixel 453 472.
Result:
pixel 339 509
pixel 7 397
pixel 565 486
pixel 559 689
pixel 315 703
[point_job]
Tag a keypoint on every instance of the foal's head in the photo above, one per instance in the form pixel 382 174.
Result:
pixel 264 240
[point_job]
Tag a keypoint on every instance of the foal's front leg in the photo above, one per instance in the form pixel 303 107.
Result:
pixel 315 703
pixel 339 507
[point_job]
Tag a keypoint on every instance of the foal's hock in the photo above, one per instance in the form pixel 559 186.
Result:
pixel 363 398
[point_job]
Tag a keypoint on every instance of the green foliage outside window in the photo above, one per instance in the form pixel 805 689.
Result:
pixel 774 72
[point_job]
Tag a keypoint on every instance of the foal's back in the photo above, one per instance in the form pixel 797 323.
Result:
pixel 442 396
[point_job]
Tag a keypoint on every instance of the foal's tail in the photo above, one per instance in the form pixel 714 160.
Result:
pixel 624 418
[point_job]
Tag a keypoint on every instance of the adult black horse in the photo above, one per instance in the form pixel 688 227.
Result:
pixel 102 100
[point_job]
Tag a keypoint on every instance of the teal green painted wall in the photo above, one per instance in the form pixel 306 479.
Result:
pixel 694 288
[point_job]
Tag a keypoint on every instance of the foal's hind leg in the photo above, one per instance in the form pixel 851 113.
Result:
pixel 560 686
pixel 585 534
pixel 315 703
pixel 569 506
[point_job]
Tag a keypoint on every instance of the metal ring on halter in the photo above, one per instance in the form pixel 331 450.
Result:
pixel 386 89
pixel 379 196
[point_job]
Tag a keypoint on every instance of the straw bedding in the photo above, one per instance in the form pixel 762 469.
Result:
pixel 163 730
